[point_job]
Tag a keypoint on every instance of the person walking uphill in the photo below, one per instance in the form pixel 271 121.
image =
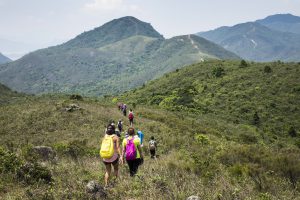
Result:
pixel 132 152
pixel 110 151
pixel 124 108
pixel 130 117
pixel 152 147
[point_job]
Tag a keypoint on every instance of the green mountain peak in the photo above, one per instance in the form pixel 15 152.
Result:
pixel 113 31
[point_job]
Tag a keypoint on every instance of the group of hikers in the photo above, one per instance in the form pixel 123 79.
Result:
pixel 131 152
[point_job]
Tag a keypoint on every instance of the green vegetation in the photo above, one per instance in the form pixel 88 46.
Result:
pixel 230 137
pixel 96 63
pixel 7 95
pixel 224 90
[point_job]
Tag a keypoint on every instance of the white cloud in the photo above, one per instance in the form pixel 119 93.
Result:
pixel 97 5
pixel 110 5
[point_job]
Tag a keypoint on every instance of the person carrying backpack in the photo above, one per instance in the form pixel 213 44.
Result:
pixel 124 109
pixel 120 125
pixel 132 152
pixel 110 152
pixel 130 117
pixel 152 147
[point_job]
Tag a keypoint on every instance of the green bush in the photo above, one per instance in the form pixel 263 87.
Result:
pixel 9 162
pixel 76 97
pixel 267 69
pixel 218 72
pixel 32 173
pixel 288 164
pixel 292 132
pixel 243 64
pixel 201 139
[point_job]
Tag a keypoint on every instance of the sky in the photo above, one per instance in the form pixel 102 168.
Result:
pixel 26 25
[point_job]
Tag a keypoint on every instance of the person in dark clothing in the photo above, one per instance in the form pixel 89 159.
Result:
pixel 132 152
pixel 152 147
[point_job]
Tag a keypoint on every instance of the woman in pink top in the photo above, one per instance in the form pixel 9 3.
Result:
pixel 114 160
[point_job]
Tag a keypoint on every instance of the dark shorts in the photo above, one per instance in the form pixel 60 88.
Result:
pixel 152 153
pixel 113 163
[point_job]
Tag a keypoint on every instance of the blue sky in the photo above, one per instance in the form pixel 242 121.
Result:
pixel 44 22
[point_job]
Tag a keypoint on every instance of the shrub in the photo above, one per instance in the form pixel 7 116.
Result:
pixel 9 162
pixel 288 164
pixel 267 69
pixel 76 97
pixel 76 148
pixel 292 132
pixel 32 173
pixel 218 72
pixel 202 139
pixel 243 64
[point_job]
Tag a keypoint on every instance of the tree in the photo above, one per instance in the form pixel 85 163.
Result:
pixel 243 64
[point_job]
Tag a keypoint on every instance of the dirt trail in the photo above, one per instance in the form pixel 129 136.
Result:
pixel 195 46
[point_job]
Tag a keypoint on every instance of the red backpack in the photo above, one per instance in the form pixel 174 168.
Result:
pixel 130 116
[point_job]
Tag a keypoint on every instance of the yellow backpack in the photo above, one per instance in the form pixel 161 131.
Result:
pixel 107 147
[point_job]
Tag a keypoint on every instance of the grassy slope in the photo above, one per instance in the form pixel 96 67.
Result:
pixel 7 95
pixel 234 97
pixel 201 153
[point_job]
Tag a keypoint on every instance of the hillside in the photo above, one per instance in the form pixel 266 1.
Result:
pixel 282 22
pixel 231 92
pixel 120 55
pixel 209 142
pixel 7 95
pixel 254 41
pixel 4 59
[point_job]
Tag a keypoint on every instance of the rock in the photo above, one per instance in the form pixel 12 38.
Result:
pixel 193 198
pixel 92 187
pixel 72 107
pixel 44 152
pixel 95 190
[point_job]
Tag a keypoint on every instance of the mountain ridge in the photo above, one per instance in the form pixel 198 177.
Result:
pixel 254 41
pixel 116 62
pixel 4 59
pixel 282 22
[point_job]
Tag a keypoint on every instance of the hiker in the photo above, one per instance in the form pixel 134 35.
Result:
pixel 120 125
pixel 132 152
pixel 141 136
pixel 152 147
pixel 124 109
pixel 110 152
pixel 120 106
pixel 130 117
pixel 111 122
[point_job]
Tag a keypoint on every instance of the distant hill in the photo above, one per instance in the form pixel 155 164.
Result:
pixel 282 22
pixel 4 59
pixel 115 57
pixel 254 41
